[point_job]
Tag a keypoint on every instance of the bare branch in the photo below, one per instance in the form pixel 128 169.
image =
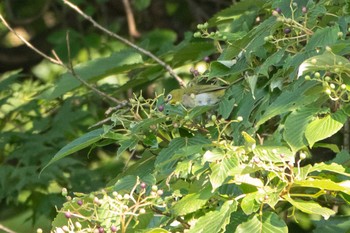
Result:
pixel 131 20
pixel 29 44
pixel 127 42
pixel 59 62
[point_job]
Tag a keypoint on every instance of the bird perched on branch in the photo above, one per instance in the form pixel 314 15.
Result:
pixel 197 95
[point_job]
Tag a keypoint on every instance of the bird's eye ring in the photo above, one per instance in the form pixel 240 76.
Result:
pixel 169 97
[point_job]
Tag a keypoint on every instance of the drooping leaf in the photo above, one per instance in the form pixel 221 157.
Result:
pixel 325 185
pixel 325 127
pixel 310 207
pixel 78 144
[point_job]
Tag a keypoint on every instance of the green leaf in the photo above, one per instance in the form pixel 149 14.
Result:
pixel 249 204
pixel 271 222
pixel 127 144
pixel 125 184
pixel 93 70
pixel 193 52
pixel 325 61
pixel 323 37
pixel 326 185
pixel 145 124
pixel 276 154
pixel 325 127
pixel 289 100
pixel 156 230
pixel 295 126
pixel 179 147
pixel 310 207
pixel 274 59
pixel 192 201
pixel 221 170
pixel 335 224
pixel 76 145
pixel 215 221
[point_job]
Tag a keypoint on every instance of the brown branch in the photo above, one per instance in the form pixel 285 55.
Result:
pixel 29 44
pixel 72 72
pixel 127 42
pixel 131 20
pixel 59 62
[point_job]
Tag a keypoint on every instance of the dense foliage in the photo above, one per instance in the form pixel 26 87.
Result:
pixel 269 157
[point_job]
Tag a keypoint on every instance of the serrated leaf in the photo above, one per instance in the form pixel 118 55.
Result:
pixel 127 144
pixel 289 100
pixel 325 127
pixel 192 201
pixel 177 147
pixel 323 37
pixel 214 221
pixel 125 184
pixel 271 222
pixel 295 125
pixel 310 207
pixel 221 171
pixel 97 68
pixel 77 144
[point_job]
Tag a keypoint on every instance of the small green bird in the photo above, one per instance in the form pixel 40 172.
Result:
pixel 200 95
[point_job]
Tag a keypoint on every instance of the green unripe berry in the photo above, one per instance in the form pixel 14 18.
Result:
pixel 328 91
pixel 239 118
pixel 314 61
pixel 307 77
pixel 213 118
pixel 327 78
pixel 343 86
pixel 197 34
pixel 205 25
pixel 332 86
pixel 329 49
pixel 317 75
pixel 340 34
pixel 336 70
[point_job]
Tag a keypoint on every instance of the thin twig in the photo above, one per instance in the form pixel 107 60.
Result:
pixel 5 229
pixel 57 61
pixel 127 42
pixel 72 72
pixel 29 44
pixel 131 20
